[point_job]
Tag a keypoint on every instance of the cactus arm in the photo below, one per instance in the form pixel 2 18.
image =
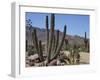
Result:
pixel 86 42
pixel 66 43
pixel 40 51
pixel 51 37
pixel 26 45
pixel 57 40
pixel 35 40
pixel 53 46
pixel 47 32
pixel 85 36
pixel 61 44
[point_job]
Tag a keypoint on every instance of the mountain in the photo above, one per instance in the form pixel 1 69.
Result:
pixel 41 34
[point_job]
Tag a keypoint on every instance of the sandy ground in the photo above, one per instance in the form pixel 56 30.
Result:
pixel 84 58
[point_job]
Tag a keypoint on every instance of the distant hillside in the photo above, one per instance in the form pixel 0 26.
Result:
pixel 41 34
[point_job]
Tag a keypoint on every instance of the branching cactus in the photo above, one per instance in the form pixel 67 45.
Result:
pixel 59 47
pixel 53 45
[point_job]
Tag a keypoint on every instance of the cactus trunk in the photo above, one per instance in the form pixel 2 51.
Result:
pixel 40 51
pixel 51 37
pixel 47 32
pixel 53 46
pixel 57 41
pixel 35 40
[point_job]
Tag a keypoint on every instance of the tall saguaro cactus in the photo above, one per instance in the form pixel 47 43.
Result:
pixel 52 43
pixel 47 32
pixel 86 42
pixel 51 36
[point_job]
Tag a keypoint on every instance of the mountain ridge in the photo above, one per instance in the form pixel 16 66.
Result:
pixel 41 34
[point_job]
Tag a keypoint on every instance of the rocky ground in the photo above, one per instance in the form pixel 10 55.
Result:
pixel 33 60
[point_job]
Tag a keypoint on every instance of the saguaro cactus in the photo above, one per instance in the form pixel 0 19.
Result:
pixel 40 51
pixel 51 36
pixel 35 40
pixel 37 45
pixel 74 56
pixel 86 42
pixel 52 43
pixel 26 45
pixel 47 32
pixel 57 41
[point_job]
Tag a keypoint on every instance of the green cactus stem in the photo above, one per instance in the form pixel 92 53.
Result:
pixel 52 45
pixel 26 45
pixel 35 40
pixel 40 51
pixel 57 41
pixel 47 32
pixel 86 42
pixel 51 37
pixel 61 43
pixel 66 44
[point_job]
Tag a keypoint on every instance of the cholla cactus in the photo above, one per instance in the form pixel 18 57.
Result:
pixel 74 55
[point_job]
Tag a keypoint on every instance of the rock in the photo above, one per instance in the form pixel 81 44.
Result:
pixel 53 62
pixel 33 57
pixel 66 53
pixel 38 64
pixel 58 62
pixel 27 65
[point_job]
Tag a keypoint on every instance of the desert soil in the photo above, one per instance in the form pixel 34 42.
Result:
pixel 84 58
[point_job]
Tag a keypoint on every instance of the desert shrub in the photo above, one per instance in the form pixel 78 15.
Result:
pixel 31 50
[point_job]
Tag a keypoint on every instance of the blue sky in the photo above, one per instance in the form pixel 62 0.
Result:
pixel 76 24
